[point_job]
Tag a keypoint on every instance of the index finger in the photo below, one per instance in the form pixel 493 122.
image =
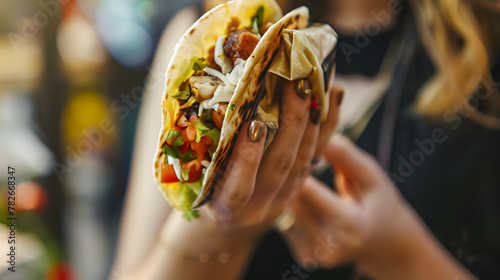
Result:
pixel 233 191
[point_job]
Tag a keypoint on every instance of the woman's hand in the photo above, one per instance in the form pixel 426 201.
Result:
pixel 366 222
pixel 256 188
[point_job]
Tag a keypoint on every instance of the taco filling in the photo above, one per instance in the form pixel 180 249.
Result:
pixel 203 98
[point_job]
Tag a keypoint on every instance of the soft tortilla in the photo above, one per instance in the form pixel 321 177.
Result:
pixel 246 97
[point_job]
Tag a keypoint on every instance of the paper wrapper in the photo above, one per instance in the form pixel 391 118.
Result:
pixel 305 53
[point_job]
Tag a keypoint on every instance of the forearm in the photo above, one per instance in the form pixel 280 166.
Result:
pixel 417 258
pixel 195 250
pixel 166 264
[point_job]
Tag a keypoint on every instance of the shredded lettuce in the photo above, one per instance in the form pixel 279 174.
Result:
pixel 187 195
pixel 214 134
pixel 186 198
pixel 188 157
pixel 199 64
pixel 184 174
pixel 175 137
pixel 183 95
pixel 201 130
pixel 255 27
pixel 194 186
pixel 173 152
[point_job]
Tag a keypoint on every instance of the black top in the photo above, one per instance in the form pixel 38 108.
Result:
pixel 452 182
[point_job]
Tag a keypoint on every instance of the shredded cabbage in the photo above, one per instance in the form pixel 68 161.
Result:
pixel 177 166
pixel 217 74
pixel 220 58
pixel 237 71
pixel 222 94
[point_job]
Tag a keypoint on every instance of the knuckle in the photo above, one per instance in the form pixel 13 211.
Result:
pixel 221 220
pixel 304 156
pixel 302 166
pixel 293 119
pixel 220 217
pixel 303 171
pixel 252 220
pixel 238 197
pixel 282 165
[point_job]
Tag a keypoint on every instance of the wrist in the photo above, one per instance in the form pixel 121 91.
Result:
pixel 415 254
pixel 401 249
pixel 401 261
pixel 203 240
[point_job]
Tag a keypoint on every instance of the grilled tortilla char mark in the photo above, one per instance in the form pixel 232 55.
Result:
pixel 240 44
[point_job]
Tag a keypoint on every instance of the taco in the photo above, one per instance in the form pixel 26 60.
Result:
pixel 215 82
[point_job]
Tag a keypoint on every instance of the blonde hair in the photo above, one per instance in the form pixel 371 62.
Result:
pixel 458 44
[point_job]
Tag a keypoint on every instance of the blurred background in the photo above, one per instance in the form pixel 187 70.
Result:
pixel 71 80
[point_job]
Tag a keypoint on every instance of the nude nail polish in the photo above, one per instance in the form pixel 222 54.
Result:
pixel 256 130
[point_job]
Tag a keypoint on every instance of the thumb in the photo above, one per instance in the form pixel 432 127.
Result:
pixel 319 199
pixel 356 166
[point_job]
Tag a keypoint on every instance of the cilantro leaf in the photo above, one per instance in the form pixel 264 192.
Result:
pixel 188 157
pixel 231 107
pixel 260 14
pixel 257 20
pixel 173 152
pixel 179 141
pixel 175 137
pixel 191 214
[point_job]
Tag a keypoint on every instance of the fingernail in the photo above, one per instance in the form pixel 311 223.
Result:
pixel 315 115
pixel 303 88
pixel 340 97
pixel 256 130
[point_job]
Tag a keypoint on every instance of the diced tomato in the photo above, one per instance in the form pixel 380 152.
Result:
pixel 200 148
pixel 168 174
pixel 182 122
pixel 193 118
pixel 207 141
pixel 195 167
pixel 191 133
pixel 183 149
pixel 218 118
